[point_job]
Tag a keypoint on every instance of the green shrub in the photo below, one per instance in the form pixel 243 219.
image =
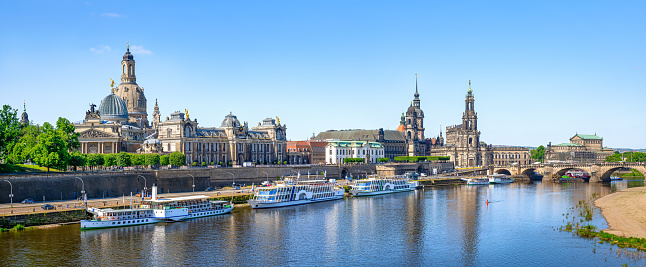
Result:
pixel 203 163
pixel 177 159
pixel 164 160
pixel 152 159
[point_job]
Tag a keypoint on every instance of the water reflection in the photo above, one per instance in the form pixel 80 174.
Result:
pixel 438 226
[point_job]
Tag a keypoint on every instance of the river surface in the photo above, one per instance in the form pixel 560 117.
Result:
pixel 444 226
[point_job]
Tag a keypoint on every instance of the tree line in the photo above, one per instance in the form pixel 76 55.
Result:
pixel 627 156
pixel 57 146
pixel 421 158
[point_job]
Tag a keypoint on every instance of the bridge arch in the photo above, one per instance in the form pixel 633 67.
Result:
pixel 528 172
pixel 503 171
pixel 605 176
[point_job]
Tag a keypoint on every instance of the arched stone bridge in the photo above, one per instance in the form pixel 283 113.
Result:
pixel 599 172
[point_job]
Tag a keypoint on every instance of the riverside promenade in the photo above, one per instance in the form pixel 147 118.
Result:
pixel 18 209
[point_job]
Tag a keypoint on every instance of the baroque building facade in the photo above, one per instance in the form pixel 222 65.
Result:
pixel 117 125
pixel 121 124
pixel 464 147
pixel 231 142
pixel 581 148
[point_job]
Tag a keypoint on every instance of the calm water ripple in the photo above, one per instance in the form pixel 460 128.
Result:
pixel 451 226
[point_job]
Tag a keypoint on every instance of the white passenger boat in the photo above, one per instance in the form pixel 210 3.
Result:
pixel 291 193
pixel 477 181
pixel 382 185
pixel 500 179
pixel 106 218
pixel 189 207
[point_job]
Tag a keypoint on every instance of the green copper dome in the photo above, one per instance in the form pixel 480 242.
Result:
pixel 112 107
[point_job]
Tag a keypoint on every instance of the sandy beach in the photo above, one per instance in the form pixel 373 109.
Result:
pixel 625 212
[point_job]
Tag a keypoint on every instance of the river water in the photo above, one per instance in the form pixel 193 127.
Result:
pixel 451 226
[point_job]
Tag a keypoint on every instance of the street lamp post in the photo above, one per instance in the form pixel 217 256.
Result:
pixel 10 192
pixel 267 175
pixel 145 188
pixel 193 182
pixel 83 191
pixel 234 179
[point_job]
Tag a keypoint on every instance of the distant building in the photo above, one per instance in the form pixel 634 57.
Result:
pixel 503 155
pixel 337 150
pixel 464 147
pixel 120 123
pixel 231 142
pixel 317 147
pixel 581 148
pixel 24 118
pixel 393 142
pixel 299 152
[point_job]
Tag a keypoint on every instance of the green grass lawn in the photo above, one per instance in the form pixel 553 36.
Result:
pixel 12 168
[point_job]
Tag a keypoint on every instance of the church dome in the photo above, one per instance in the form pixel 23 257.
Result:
pixel 411 110
pixel 112 107
pixel 128 55
pixel 230 121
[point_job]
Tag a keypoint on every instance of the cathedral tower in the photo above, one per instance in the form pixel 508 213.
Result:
pixel 156 116
pixel 24 118
pixel 414 126
pixel 131 93
pixel 470 121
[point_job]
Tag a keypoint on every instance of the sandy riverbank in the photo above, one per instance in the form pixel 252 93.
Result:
pixel 625 212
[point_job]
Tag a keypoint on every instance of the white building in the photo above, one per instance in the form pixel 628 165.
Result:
pixel 337 150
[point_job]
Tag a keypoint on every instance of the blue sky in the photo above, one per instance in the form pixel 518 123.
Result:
pixel 541 71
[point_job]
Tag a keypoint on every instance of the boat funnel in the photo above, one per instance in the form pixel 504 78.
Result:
pixel 154 197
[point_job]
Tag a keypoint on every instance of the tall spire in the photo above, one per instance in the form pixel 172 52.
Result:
pixel 416 100
pixel 24 118
pixel 469 91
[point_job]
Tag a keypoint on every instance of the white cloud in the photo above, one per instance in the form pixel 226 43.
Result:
pixel 110 15
pixel 101 49
pixel 135 49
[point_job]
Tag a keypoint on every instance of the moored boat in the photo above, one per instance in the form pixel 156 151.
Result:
pixel 289 193
pixel 382 185
pixel 189 207
pixel 615 178
pixel 477 181
pixel 107 218
pixel 500 179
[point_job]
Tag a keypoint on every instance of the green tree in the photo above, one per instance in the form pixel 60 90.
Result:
pixel 77 159
pixel 164 160
pixel 152 159
pixel 538 154
pixel 124 159
pixel 93 160
pixel 382 160
pixel 66 130
pixel 138 159
pixel 51 151
pixel 9 130
pixel 110 160
pixel 177 159
pixel 23 149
